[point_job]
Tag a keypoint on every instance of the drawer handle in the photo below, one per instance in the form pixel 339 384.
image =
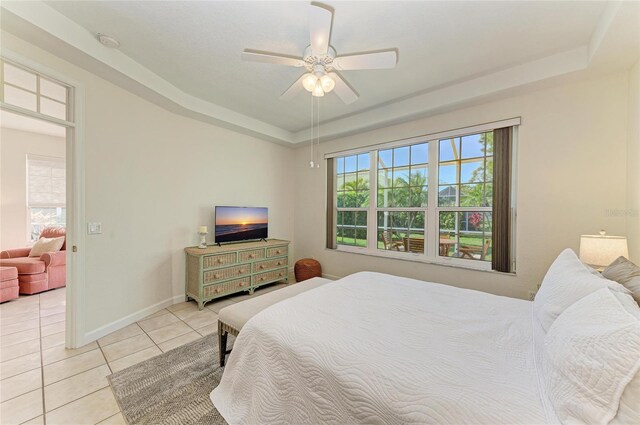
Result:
pixel 219 261
pixel 261 266
pixel 216 276
pixel 241 271
pixel 278 252
pixel 262 278
pixel 243 284
pixel 279 263
pixel 252 255
pixel 280 274
pixel 217 290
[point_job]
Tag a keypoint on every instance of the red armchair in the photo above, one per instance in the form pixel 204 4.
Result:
pixel 38 274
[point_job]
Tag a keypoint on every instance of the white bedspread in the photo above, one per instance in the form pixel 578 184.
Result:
pixel 379 349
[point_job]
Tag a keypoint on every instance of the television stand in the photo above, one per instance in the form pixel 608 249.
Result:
pixel 217 271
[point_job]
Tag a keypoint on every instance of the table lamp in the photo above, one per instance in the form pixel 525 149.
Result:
pixel 202 230
pixel 599 251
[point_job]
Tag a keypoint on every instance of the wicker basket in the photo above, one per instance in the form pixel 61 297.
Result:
pixel 306 269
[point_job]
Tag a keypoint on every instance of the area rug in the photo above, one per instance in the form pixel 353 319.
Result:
pixel 172 388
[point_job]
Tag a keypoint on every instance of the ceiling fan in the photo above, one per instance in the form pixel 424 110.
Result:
pixel 321 61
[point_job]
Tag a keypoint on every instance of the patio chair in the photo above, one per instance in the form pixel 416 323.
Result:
pixel 475 252
pixel 414 244
pixel 389 242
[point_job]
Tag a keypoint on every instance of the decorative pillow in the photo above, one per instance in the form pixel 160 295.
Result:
pixel 566 281
pixel 44 245
pixel 625 273
pixel 591 354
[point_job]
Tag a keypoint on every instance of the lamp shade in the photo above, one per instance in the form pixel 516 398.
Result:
pixel 600 250
pixel 309 82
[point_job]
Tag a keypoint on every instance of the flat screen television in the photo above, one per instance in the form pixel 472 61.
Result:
pixel 235 224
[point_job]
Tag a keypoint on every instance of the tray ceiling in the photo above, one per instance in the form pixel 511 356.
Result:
pixel 195 48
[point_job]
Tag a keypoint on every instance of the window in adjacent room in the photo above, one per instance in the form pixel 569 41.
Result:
pixel 443 198
pixel 46 193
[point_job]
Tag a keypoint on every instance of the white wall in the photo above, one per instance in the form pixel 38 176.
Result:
pixel 633 165
pixel 14 147
pixel 571 171
pixel 151 178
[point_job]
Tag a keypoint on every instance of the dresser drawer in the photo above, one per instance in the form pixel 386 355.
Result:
pixel 277 251
pixel 269 276
pixel 254 254
pixel 262 266
pixel 226 287
pixel 219 260
pixel 226 273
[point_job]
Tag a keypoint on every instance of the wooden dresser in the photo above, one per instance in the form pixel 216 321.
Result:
pixel 217 271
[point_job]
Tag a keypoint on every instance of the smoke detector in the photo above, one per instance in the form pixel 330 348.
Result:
pixel 108 41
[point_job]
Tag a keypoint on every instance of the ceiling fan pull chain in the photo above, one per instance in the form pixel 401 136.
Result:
pixel 318 134
pixel 311 164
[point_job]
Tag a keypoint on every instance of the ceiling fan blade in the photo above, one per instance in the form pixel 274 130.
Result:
pixel 268 57
pixel 373 60
pixel 293 89
pixel 343 89
pixel 320 17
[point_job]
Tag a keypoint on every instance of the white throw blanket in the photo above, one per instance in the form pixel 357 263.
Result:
pixel 379 349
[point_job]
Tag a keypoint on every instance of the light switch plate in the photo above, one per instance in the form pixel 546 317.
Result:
pixel 94 228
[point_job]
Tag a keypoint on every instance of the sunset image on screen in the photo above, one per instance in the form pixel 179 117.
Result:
pixel 240 223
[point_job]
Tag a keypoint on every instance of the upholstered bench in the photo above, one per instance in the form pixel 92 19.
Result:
pixel 232 318
pixel 9 286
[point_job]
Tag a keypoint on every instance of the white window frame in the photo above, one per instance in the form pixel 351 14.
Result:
pixel 432 210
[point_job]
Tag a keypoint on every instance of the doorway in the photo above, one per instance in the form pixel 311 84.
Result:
pixel 41 170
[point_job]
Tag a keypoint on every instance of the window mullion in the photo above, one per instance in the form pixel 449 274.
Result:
pixel 372 228
pixel 431 223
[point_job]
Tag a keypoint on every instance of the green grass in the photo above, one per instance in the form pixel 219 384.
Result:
pixel 464 240
pixel 351 241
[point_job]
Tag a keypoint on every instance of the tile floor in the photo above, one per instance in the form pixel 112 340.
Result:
pixel 41 382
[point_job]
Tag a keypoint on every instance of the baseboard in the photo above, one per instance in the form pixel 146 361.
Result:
pixel 127 320
pixel 330 276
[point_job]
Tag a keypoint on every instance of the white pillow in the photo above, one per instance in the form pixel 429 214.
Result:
pixel 591 353
pixel 566 281
pixel 629 410
pixel 44 245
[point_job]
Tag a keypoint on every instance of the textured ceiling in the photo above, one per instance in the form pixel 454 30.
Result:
pixel 196 46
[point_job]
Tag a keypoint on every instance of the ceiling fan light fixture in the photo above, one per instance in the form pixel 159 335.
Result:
pixel 317 90
pixel 309 82
pixel 327 83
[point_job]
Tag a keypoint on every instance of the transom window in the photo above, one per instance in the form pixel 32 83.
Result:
pixel 384 205
pixel 29 90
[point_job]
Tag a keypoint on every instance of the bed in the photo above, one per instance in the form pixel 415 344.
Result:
pixel 380 349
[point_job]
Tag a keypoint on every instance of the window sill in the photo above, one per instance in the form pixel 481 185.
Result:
pixel 457 263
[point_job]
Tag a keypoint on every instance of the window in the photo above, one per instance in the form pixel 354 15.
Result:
pixel 29 90
pixel 46 193
pixel 402 197
pixel 465 196
pixel 352 177
pixel 384 205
